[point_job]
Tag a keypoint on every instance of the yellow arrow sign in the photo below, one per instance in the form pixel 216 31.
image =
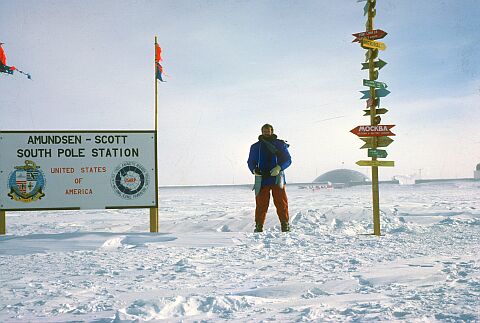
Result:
pixel 386 163
pixel 373 44
pixel 381 142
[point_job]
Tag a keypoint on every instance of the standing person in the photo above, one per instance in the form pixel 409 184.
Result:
pixel 268 158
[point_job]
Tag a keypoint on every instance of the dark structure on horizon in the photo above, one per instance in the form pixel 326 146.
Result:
pixel 345 177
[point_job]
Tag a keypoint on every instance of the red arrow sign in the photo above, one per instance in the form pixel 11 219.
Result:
pixel 372 34
pixel 373 131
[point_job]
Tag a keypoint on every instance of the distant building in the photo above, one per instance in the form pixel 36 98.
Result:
pixel 476 172
pixel 343 177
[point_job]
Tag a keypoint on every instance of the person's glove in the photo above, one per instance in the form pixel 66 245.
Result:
pixel 275 170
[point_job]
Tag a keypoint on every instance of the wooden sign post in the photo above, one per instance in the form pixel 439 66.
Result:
pixel 3 223
pixel 374 135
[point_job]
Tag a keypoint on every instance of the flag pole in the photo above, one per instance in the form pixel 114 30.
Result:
pixel 154 210
pixel 156 89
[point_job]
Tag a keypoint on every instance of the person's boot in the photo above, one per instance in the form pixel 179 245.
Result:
pixel 258 228
pixel 285 226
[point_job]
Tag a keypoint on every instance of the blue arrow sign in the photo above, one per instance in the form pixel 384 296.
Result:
pixel 379 93
pixel 366 94
pixel 365 9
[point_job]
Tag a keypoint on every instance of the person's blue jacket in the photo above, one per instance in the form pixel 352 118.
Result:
pixel 260 156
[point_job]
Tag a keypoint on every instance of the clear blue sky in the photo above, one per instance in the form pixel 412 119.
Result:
pixel 235 65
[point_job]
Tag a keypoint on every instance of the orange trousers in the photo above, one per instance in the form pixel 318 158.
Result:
pixel 263 200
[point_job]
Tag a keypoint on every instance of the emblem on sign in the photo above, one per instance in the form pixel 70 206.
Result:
pixel 130 180
pixel 26 183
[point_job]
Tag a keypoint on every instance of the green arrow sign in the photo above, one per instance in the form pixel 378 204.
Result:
pixel 377 64
pixel 379 153
pixel 377 111
pixel 375 84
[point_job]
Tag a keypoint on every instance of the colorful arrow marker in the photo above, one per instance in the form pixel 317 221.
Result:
pixel 373 131
pixel 381 142
pixel 366 94
pixel 375 84
pixel 387 163
pixel 380 93
pixel 373 44
pixel 372 34
pixel 379 153
pixel 378 64
pixel 377 111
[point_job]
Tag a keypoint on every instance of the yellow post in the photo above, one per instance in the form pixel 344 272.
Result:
pixel 153 219
pixel 3 223
pixel 375 189
pixel 376 201
pixel 154 210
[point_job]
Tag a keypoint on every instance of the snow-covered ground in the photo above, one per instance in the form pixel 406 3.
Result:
pixel 206 264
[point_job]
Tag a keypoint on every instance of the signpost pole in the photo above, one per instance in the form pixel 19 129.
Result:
pixel 154 210
pixel 375 189
pixel 3 223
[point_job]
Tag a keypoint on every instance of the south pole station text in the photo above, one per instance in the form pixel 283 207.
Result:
pixel 106 146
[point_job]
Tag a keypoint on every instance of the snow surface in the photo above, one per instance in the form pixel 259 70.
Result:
pixel 206 264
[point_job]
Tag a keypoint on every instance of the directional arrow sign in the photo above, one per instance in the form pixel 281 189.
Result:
pixel 373 44
pixel 366 94
pixel 379 153
pixel 377 111
pixel 375 84
pixel 381 142
pixel 365 8
pixel 387 163
pixel 373 131
pixel 372 34
pixel 377 64
pixel 380 93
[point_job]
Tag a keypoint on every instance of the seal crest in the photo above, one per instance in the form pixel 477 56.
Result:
pixel 130 180
pixel 26 183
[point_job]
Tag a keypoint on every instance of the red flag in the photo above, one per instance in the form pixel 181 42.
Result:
pixel 158 53
pixel 158 68
pixel 3 57
pixel 9 69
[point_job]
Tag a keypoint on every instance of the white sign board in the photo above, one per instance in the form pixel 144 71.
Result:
pixel 77 170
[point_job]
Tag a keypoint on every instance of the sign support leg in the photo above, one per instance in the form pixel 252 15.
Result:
pixel 3 223
pixel 153 219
